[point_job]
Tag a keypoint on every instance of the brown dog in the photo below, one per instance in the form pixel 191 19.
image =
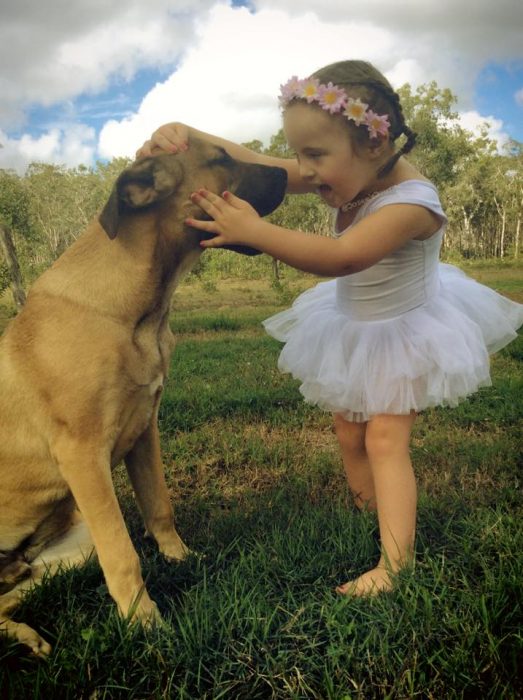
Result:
pixel 81 373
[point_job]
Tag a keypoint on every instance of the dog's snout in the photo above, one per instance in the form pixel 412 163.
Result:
pixel 263 187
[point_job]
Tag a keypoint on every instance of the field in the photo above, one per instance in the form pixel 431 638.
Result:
pixel 258 490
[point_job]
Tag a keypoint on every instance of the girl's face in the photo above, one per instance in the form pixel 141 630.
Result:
pixel 326 156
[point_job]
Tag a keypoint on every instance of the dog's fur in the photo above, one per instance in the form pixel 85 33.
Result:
pixel 81 373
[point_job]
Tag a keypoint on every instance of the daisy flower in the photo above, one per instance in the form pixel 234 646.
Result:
pixel 332 98
pixel 356 110
pixel 290 90
pixel 309 89
pixel 377 124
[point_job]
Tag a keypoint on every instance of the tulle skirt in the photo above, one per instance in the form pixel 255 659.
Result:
pixel 435 354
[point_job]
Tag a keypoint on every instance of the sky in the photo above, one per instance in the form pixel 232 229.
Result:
pixel 89 80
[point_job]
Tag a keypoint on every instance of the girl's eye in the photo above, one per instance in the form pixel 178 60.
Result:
pixel 312 155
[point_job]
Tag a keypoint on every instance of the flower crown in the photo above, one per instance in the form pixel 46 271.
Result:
pixel 334 99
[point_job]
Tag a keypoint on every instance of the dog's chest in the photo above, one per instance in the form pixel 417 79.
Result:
pixel 146 366
pixel 136 417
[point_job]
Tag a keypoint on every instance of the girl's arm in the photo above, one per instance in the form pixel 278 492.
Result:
pixel 175 137
pixel 375 237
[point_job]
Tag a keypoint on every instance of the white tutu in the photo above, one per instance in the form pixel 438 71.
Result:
pixel 434 354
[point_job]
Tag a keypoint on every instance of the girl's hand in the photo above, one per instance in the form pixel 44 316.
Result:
pixel 233 218
pixel 169 138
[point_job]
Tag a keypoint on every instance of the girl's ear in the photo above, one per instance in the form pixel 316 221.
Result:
pixel 378 147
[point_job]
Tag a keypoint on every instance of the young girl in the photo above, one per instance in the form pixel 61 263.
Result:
pixel 396 331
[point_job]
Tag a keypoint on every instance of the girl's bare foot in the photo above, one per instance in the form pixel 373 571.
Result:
pixel 370 583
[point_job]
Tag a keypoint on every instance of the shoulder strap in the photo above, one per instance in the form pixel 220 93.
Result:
pixel 409 192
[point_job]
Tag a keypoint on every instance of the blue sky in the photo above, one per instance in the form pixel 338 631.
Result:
pixel 83 80
pixel 119 99
pixel 496 92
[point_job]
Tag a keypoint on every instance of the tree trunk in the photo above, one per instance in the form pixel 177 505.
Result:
pixel 275 270
pixel 8 249
pixel 502 236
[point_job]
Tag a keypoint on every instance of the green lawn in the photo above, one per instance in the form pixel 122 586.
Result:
pixel 258 489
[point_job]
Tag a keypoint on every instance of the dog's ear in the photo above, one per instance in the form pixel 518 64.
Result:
pixel 141 185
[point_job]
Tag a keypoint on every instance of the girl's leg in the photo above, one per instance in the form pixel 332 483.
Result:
pixel 387 440
pixel 351 438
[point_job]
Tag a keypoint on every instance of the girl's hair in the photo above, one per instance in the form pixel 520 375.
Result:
pixel 361 79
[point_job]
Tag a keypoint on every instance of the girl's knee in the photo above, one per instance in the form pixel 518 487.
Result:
pixel 387 435
pixel 351 436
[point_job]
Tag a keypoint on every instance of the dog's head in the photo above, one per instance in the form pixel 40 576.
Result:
pixel 164 183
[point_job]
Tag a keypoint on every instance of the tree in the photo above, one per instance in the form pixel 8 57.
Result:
pixel 64 200
pixel 480 188
pixel 442 145
pixel 14 216
pixel 12 266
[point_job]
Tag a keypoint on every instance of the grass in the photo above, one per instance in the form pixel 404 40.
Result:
pixel 258 489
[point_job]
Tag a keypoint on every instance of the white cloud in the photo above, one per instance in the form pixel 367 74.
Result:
pixel 476 123
pixel 73 146
pixel 519 97
pixel 55 51
pixel 227 82
pixel 226 62
pixel 482 28
pixel 406 70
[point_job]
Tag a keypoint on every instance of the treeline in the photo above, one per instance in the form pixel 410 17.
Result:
pixel 44 210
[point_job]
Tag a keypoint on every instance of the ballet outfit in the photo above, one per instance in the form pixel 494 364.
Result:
pixel 403 335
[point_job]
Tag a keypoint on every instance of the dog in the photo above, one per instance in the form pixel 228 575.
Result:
pixel 82 369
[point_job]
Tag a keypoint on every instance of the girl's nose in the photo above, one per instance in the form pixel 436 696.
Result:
pixel 306 172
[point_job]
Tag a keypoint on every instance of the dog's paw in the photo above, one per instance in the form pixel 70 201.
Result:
pixel 176 551
pixel 32 640
pixel 144 611
pixel 170 544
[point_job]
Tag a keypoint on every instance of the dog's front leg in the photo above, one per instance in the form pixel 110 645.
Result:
pixel 145 468
pixel 86 469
